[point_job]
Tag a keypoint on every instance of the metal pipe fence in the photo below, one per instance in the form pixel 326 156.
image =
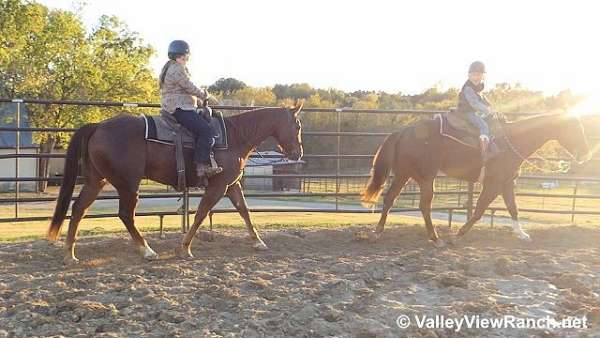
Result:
pixel 337 178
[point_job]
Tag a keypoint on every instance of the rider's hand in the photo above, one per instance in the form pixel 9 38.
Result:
pixel 206 94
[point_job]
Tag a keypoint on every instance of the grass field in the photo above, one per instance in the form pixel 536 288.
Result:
pixel 24 230
pixel 30 230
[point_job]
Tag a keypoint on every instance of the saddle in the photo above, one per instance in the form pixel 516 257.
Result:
pixel 455 126
pixel 164 129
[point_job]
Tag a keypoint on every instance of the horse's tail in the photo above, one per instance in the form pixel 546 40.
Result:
pixel 382 165
pixel 77 150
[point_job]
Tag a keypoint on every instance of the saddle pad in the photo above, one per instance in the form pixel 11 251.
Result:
pixel 462 137
pixel 163 129
pixel 468 138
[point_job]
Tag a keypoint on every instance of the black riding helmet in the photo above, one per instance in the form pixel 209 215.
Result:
pixel 177 48
pixel 477 67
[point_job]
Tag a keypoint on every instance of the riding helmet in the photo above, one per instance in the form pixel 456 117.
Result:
pixel 178 47
pixel 477 67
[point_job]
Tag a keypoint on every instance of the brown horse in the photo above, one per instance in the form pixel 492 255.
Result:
pixel 115 151
pixel 421 158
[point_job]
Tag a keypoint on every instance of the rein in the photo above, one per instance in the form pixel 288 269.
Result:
pixel 561 170
pixel 267 163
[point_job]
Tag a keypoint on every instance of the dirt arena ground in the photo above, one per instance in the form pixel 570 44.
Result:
pixel 311 283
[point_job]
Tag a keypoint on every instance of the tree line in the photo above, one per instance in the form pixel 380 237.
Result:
pixel 48 54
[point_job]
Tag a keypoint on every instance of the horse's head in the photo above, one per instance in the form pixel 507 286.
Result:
pixel 572 137
pixel 289 133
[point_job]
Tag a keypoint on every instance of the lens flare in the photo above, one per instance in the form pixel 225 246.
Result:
pixel 589 105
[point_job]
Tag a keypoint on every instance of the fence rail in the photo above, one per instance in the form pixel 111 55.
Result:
pixel 337 176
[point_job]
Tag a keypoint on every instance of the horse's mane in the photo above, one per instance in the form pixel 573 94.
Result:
pixel 536 117
pixel 245 125
pixel 528 123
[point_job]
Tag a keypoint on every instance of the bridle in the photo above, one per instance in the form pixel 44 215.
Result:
pixel 276 161
pixel 561 170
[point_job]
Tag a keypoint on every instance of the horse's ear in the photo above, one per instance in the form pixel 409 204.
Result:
pixel 295 110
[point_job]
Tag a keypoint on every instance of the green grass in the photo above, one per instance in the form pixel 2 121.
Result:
pixel 28 230
pixel 19 231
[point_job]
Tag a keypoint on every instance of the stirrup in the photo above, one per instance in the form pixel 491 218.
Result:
pixel 484 145
pixel 212 171
pixel 207 170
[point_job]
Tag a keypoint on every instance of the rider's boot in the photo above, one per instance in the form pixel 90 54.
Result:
pixel 207 170
pixel 484 144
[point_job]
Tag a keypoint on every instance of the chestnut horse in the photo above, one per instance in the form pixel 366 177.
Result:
pixel 116 152
pixel 409 156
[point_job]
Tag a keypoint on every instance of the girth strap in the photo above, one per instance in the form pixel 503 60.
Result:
pixel 181 184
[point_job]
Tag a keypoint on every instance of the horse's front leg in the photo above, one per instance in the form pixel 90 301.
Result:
pixel 236 196
pixel 488 194
pixel 508 195
pixel 212 195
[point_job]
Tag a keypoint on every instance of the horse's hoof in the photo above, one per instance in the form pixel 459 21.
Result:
pixel 184 253
pixel 454 239
pixel 371 236
pixel 70 261
pixel 260 246
pixel 148 253
pixel 438 243
pixel 375 236
pixel 461 232
pixel 522 235
pixel 361 235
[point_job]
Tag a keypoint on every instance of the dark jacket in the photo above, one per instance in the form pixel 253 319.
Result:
pixel 470 99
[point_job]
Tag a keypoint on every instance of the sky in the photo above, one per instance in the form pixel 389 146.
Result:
pixel 393 46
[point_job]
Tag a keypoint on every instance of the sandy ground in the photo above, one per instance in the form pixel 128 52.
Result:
pixel 311 283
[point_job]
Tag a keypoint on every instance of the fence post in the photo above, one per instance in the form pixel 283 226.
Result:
pixel 185 219
pixel 162 234
pixel 574 201
pixel 17 152
pixel 339 146
pixel 470 200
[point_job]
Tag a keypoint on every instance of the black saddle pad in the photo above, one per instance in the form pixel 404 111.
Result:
pixel 164 130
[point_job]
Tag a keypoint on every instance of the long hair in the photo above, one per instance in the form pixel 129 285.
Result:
pixel 163 73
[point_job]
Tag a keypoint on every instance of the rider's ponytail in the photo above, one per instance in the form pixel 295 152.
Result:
pixel 163 73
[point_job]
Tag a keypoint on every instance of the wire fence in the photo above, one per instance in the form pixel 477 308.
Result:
pixel 339 190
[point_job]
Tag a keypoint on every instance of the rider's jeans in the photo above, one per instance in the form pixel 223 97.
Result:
pixel 201 129
pixel 479 123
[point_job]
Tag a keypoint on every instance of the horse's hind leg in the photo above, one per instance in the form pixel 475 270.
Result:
pixel 87 196
pixel 426 187
pixel 388 202
pixel 128 198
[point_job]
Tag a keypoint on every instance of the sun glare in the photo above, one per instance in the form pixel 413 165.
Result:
pixel 589 105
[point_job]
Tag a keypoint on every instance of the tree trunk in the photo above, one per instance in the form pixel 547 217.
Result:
pixel 46 147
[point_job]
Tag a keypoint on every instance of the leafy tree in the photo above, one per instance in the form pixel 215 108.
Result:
pixel 226 86
pixel 48 54
pixel 293 91
pixel 255 96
